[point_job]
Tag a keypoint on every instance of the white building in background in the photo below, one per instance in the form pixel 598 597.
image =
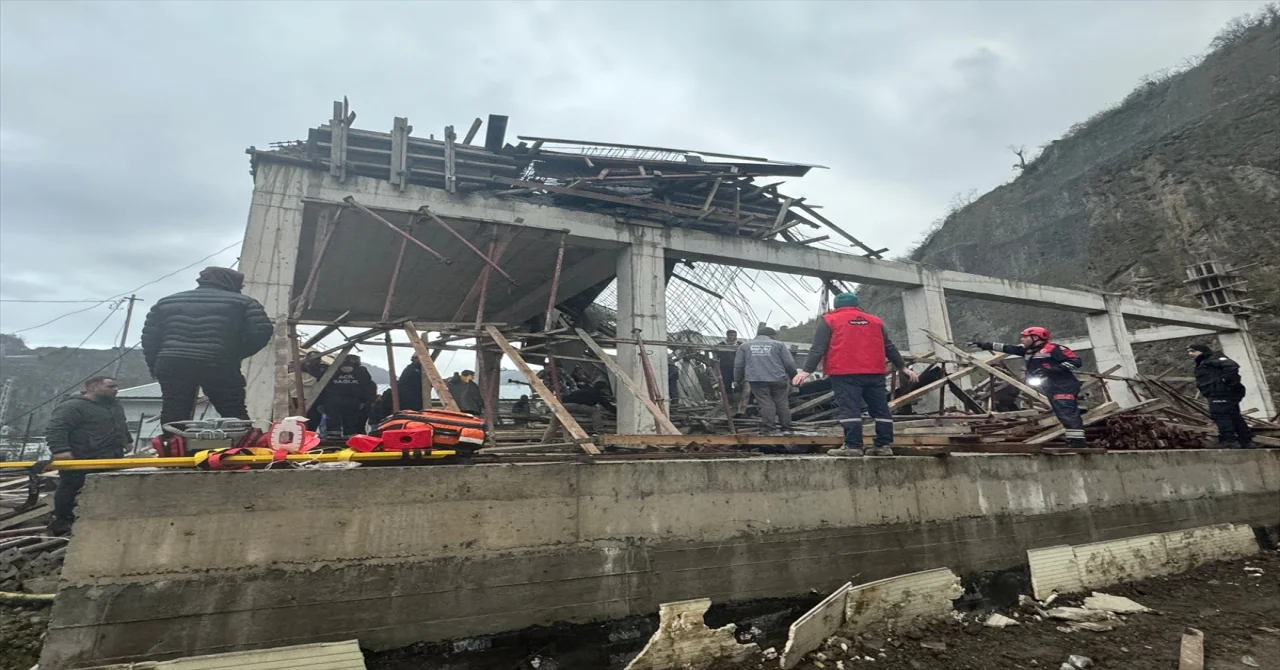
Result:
pixel 142 404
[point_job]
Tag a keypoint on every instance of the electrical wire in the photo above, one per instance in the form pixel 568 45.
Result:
pixel 121 295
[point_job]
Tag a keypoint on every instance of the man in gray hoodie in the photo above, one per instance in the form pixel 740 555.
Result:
pixel 767 365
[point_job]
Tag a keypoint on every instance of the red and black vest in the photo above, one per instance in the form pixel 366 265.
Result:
pixel 857 343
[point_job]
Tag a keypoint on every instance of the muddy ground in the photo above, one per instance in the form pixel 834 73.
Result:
pixel 1238 612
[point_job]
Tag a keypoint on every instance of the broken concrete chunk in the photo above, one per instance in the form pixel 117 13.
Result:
pixel 684 641
pixel 997 620
pixel 1116 604
pixel 1077 614
pixel 934 646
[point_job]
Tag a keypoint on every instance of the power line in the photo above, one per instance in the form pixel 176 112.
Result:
pixel 46 302
pixel 73 386
pixel 121 295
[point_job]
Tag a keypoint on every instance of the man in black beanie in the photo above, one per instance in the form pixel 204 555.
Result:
pixel 1218 379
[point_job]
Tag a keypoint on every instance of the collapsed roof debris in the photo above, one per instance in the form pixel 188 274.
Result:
pixel 675 187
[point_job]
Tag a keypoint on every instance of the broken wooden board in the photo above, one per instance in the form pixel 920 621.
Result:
pixel 1033 394
pixel 431 374
pixel 562 415
pixel 659 417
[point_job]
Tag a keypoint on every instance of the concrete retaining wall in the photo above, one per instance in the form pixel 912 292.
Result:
pixel 170 563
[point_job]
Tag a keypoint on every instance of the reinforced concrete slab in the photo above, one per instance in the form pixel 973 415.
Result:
pixel 168 564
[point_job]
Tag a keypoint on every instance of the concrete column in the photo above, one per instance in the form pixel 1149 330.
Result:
pixel 1238 346
pixel 1112 347
pixel 925 308
pixel 642 303
pixel 267 259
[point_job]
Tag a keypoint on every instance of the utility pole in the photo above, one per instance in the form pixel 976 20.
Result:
pixel 124 334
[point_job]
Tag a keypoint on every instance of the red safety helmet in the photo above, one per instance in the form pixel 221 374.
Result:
pixel 1037 331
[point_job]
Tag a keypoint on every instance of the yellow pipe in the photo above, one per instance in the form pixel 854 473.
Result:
pixel 235 461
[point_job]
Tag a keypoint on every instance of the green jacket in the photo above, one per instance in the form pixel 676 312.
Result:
pixel 89 429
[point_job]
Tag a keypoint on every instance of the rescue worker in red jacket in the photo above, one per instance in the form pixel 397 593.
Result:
pixel 1051 369
pixel 852 346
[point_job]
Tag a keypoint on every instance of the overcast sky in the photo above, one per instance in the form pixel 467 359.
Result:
pixel 123 125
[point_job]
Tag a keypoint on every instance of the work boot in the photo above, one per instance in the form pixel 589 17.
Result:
pixel 1229 444
pixel 847 451
pixel 59 527
pixel 878 450
pixel 1250 445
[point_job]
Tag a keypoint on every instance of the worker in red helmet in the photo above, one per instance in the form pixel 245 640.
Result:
pixel 1051 369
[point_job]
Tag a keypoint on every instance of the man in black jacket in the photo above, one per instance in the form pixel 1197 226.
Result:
pixel 1218 379
pixel 196 339
pixel 347 399
pixel 466 393
pixel 409 383
pixel 90 426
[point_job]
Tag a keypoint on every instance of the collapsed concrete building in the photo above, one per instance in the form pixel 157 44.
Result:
pixel 502 243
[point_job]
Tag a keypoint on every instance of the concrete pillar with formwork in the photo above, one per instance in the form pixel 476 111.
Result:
pixel 1239 347
pixel 925 310
pixel 1112 346
pixel 642 305
pixel 268 259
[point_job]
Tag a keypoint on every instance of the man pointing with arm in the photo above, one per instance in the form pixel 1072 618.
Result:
pixel 853 347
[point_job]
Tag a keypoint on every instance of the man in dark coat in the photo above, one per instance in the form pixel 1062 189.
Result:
pixel 466 392
pixel 87 427
pixel 1218 379
pixel 347 399
pixel 196 339
pixel 409 384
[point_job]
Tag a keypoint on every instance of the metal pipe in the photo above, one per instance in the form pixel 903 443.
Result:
pixel 395 277
pixel 309 289
pixel 555 282
pixel 649 380
pixel 391 367
pixel 468 244
pixel 352 201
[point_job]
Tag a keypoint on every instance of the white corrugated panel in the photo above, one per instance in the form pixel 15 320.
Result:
pixel 1130 559
pixel 814 627
pixel 325 656
pixel 1054 569
pixel 898 601
pixel 1100 564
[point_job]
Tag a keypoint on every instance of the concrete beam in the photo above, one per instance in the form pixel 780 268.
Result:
pixel 642 303
pixel 1112 347
pixel 1239 347
pixel 742 251
pixel 267 259
pixel 1145 335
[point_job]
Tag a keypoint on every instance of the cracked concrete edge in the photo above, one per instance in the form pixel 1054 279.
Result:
pixel 1073 569
pixel 684 641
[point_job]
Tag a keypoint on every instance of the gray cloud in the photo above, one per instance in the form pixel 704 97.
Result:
pixel 122 125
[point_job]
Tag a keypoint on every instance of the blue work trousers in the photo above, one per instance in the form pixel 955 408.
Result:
pixel 855 392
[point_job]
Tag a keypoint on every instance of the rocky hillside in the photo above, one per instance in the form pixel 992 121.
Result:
pixel 42 373
pixel 1186 168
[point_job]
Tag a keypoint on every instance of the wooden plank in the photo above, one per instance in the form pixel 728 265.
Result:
pixel 706 204
pixel 22 517
pixel 562 415
pixel 660 418
pixel 1035 395
pixel 432 378
pixel 686 211
pixel 1104 411
pixel 326 331
pixel 1191 652
pixel 471 132
pixel 814 213
pixel 958 374
pixel 450 161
